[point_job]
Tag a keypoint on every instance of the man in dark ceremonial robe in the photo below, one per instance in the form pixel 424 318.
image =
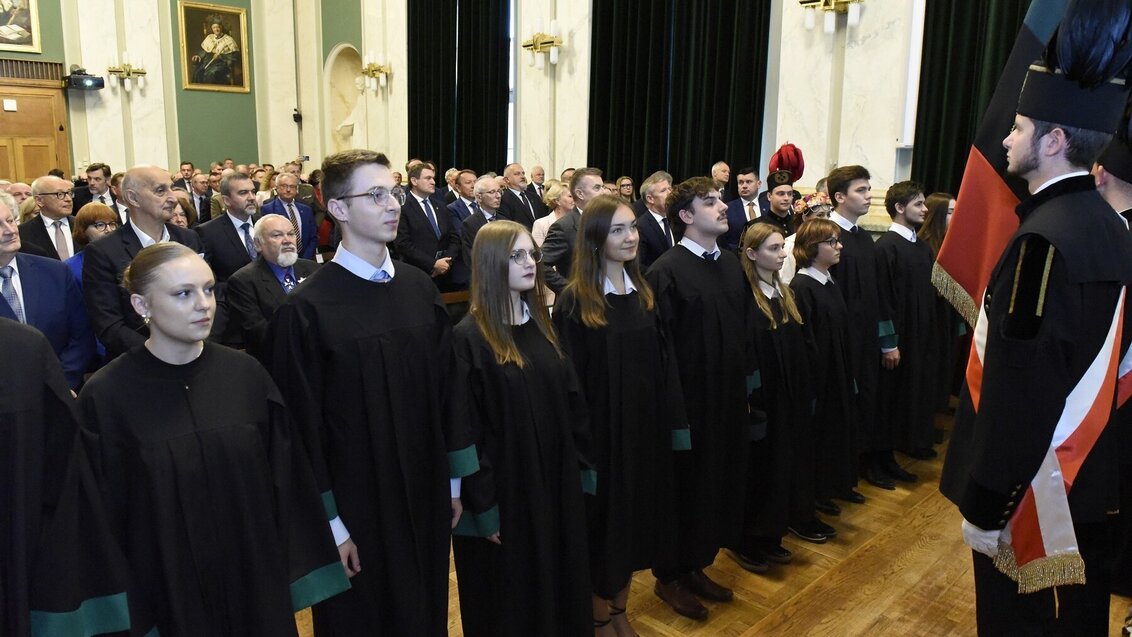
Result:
pixel 1032 460
pixel 904 273
pixel 707 307
pixel 60 571
pixel 361 350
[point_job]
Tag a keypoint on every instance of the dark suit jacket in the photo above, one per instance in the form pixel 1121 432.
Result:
pixel 536 200
pixel 449 196
pixel 53 304
pixel 458 213
pixel 83 197
pixel 253 295
pixel 417 244
pixel 558 250
pixel 115 322
pixel 736 223
pixel 183 184
pixel 224 247
pixel 204 213
pixel 307 229
pixel 653 241
pixel 34 238
pixel 468 232
pixel 512 207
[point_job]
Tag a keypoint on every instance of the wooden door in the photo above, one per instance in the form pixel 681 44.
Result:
pixel 33 137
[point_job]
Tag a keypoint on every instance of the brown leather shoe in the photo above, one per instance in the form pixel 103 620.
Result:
pixel 680 599
pixel 699 583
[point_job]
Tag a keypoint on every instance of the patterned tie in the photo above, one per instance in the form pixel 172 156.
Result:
pixel 381 276
pixel 294 221
pixel 475 207
pixel 9 291
pixel 247 228
pixel 61 241
pixel 288 282
pixel 750 211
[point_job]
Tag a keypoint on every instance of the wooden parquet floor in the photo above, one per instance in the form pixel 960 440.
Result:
pixel 897 568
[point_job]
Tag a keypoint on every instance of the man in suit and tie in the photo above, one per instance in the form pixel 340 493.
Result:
pixel 743 210
pixel 515 205
pixel 485 210
pixel 49 234
pixel 536 189
pixel 655 234
pixel 97 187
pixel 458 212
pixel 721 174
pixel 425 237
pixel 558 249
pixel 148 192
pixel 228 246
pixel 256 290
pixel 119 203
pixel 43 293
pixel 200 193
pixel 301 216
pixel 185 176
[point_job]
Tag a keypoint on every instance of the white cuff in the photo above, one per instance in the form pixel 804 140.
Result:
pixel 454 486
pixel 886 350
pixel 339 531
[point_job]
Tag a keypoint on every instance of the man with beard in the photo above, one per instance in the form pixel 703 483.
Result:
pixel 228 246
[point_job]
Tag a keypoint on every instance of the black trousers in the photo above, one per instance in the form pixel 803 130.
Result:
pixel 1067 611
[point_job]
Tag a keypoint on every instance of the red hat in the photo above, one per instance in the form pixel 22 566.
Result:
pixel 788 157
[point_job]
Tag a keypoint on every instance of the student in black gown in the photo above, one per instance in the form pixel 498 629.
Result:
pixel 817 248
pixel 608 324
pixel 780 473
pixel 949 325
pixel 58 560
pixel 904 275
pixel 706 306
pixel 362 351
pixel 520 547
pixel 208 490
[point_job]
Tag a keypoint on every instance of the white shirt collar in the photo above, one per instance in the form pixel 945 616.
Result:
pixel 359 267
pixel 629 287
pixel 50 223
pixel 420 200
pixel 147 240
pixel 907 233
pixel 841 221
pixel 15 266
pixel 1076 173
pixel 698 249
pixel 467 202
pixel 769 290
pixel 488 214
pixel 659 218
pixel 815 274
pixel 239 224
pixel 525 310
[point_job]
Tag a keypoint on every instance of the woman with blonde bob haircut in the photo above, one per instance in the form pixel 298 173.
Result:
pixel 519 547
pixel 609 326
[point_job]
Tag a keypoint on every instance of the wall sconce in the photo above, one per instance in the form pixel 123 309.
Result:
pixel 125 72
pixel 830 9
pixel 374 73
pixel 540 43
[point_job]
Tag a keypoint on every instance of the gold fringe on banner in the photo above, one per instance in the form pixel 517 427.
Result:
pixel 1046 572
pixel 955 294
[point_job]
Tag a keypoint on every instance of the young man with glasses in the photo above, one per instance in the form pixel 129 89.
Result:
pixel 361 350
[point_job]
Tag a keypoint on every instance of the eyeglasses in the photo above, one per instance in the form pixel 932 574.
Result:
pixel 377 194
pixel 520 256
pixel 62 194
pixel 102 225
pixel 490 192
pixel 832 242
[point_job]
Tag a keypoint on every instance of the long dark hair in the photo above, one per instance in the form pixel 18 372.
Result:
pixel 935 220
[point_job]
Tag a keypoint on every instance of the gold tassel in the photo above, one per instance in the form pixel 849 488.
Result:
pixel 955 294
pixel 1053 570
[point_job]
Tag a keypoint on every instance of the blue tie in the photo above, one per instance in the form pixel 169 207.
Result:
pixel 431 218
pixel 381 276
pixel 8 289
pixel 247 228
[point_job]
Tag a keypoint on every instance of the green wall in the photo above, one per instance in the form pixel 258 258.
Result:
pixel 341 22
pixel 50 34
pixel 213 125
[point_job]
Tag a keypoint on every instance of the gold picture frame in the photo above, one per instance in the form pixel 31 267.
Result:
pixel 214 47
pixel 19 26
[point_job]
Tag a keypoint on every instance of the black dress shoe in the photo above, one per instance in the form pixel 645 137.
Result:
pixel 680 599
pixel 853 496
pixel 898 473
pixel 827 507
pixel 808 532
pixel 823 528
pixel 699 583
pixel 879 479
pixel 777 554
pixel 750 563
pixel 925 453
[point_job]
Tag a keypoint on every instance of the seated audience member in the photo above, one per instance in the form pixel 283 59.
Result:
pixel 183 215
pixel 180 420
pixel 42 293
pixel 256 290
pixel 28 209
pixel 559 202
pixel 94 221
pixel 301 215
pixel 148 191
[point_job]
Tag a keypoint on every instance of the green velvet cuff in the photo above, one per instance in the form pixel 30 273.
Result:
pixel 322 583
pixel 589 481
pixel 892 341
pixel 94 616
pixel 463 462
pixel 754 381
pixel 681 439
pixel 885 328
pixel 962 329
pixel 478 524
pixel 330 505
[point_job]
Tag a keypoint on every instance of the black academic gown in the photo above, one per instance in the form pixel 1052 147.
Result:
pixel 827 330
pixel 906 398
pixel 632 387
pixel 57 555
pixel 210 495
pixel 707 306
pixel 780 474
pixel 365 367
pixel 529 427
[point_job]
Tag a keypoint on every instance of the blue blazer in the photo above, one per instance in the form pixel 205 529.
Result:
pixel 736 222
pixel 309 242
pixel 53 304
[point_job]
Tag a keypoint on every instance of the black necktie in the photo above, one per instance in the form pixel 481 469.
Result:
pixel 711 256
pixel 667 231
pixel 527 204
